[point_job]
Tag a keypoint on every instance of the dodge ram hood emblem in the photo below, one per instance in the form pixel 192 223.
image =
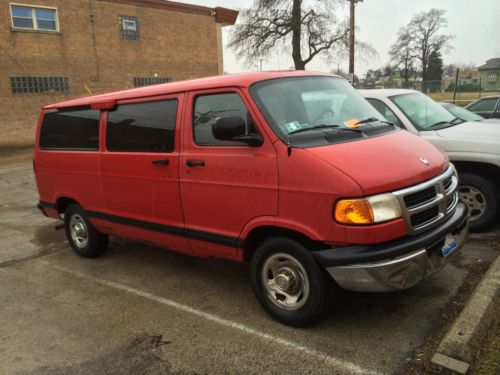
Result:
pixel 425 161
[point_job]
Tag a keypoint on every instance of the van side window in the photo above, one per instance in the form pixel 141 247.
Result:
pixel 70 130
pixel 207 108
pixel 142 127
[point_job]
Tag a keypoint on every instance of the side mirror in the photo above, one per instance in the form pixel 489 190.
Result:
pixel 234 129
pixel 226 128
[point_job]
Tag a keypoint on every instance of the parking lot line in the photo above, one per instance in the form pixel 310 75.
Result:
pixel 335 362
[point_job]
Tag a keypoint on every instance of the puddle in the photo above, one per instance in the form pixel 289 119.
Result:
pixel 46 235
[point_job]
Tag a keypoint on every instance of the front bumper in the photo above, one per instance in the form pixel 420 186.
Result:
pixel 394 265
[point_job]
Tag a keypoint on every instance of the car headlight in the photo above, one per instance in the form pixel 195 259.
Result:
pixel 369 210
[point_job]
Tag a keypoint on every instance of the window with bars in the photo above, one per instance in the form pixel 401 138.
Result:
pixel 129 28
pixel 34 18
pixel 147 81
pixel 22 85
pixel 492 77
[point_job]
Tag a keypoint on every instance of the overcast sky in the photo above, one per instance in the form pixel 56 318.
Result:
pixel 475 24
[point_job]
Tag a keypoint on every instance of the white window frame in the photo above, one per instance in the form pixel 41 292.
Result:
pixel 492 77
pixel 124 21
pixel 33 17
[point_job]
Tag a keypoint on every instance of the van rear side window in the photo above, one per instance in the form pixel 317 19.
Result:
pixel 142 127
pixel 70 130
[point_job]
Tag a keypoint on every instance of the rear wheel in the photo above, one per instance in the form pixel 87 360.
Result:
pixel 480 196
pixel 85 240
pixel 288 282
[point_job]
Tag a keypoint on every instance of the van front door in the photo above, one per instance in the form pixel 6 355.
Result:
pixel 224 184
pixel 140 172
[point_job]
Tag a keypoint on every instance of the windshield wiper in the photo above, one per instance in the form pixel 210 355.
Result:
pixel 457 120
pixel 369 119
pixel 324 126
pixel 454 121
pixel 439 123
pixel 373 119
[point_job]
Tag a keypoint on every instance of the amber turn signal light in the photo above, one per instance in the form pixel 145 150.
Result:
pixel 354 211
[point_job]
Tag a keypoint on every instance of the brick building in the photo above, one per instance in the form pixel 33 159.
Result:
pixel 51 50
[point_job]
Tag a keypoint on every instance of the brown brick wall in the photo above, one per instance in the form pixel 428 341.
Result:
pixel 174 44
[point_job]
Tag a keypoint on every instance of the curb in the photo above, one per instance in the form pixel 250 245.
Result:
pixel 461 343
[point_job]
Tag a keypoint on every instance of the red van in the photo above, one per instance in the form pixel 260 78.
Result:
pixel 293 172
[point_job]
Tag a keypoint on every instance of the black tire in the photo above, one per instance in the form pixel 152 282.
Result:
pixel 95 243
pixel 309 309
pixel 468 182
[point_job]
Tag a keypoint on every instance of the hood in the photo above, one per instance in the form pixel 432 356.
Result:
pixel 385 163
pixel 484 130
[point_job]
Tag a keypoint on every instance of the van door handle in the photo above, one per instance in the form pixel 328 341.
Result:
pixel 160 162
pixel 195 163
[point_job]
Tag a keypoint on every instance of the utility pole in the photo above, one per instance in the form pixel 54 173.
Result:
pixel 352 26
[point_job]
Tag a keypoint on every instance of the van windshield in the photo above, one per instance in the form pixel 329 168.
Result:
pixel 424 112
pixel 301 108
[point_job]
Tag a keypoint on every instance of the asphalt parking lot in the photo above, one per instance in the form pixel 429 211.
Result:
pixel 140 309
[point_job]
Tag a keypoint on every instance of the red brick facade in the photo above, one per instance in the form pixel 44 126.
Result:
pixel 175 40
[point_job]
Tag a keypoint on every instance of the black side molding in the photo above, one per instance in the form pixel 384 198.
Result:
pixel 41 205
pixel 344 256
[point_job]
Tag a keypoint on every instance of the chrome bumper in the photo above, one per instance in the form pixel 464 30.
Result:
pixel 402 271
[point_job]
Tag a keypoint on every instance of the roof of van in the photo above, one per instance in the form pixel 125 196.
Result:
pixel 230 80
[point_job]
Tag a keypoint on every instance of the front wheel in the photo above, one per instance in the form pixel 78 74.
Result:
pixel 480 196
pixel 288 282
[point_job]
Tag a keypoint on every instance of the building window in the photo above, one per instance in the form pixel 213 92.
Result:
pixel 129 28
pixel 34 18
pixel 492 77
pixel 148 81
pixel 22 85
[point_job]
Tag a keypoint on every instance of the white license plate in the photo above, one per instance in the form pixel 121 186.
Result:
pixel 449 246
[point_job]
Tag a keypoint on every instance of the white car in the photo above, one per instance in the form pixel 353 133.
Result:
pixel 474 149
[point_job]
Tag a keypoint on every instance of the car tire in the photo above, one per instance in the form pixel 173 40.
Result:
pixel 288 282
pixel 480 196
pixel 84 239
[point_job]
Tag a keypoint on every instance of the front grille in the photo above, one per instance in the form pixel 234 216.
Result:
pixel 427 204
pixel 420 197
pixel 447 183
pixel 424 216
pixel 451 201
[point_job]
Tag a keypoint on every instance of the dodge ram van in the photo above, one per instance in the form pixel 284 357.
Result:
pixel 293 172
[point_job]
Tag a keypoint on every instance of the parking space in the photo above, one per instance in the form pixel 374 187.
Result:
pixel 140 307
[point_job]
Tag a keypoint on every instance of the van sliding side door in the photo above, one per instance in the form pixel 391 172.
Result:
pixel 140 171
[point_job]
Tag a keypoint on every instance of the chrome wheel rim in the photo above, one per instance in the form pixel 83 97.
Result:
pixel 285 281
pixel 474 199
pixel 78 231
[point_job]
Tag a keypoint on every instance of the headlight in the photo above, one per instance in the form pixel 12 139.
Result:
pixel 370 210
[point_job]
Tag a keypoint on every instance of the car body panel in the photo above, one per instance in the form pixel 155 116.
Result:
pixel 459 141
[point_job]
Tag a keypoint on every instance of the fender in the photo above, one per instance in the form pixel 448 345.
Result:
pixel 279 222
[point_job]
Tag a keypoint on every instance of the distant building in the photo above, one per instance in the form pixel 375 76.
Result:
pixel 51 50
pixel 468 80
pixel 490 75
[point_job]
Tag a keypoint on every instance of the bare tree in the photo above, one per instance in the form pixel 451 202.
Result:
pixel 402 55
pixel 424 28
pixel 272 24
pixel 418 41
